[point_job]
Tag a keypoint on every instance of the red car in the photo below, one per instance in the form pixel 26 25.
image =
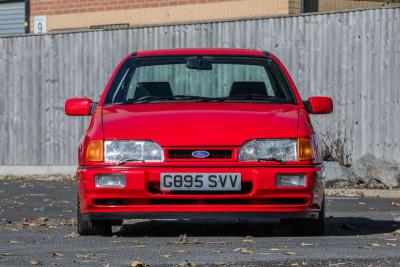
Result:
pixel 200 133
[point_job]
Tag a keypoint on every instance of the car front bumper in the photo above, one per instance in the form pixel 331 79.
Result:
pixel 260 197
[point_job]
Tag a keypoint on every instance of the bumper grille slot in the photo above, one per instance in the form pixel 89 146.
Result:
pixel 154 188
pixel 187 154
pixel 110 202
pixel 234 201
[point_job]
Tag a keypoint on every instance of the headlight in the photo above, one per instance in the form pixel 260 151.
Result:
pixel 117 151
pixel 258 149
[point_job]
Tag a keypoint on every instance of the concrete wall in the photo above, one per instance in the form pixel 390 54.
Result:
pixel 353 57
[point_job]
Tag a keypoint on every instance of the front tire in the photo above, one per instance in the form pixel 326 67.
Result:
pixel 92 227
pixel 313 227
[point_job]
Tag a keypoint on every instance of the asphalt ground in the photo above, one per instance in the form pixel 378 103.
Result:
pixel 37 227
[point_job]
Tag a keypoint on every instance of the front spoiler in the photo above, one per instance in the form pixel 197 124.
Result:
pixel 199 215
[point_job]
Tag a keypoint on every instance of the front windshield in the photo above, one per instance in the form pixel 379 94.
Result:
pixel 199 79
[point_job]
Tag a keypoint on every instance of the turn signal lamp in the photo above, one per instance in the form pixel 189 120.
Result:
pixel 305 149
pixel 94 151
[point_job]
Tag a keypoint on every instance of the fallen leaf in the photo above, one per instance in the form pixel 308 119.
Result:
pixel 243 250
pixel 15 242
pixel 291 253
pixel 278 249
pixel 136 264
pixel 57 254
pixel 35 262
pixel 375 245
pixel 7 254
pixel 362 203
pixel 183 251
pixel 215 251
pixel 167 256
pixel 306 244
pixel 249 241
pixel 183 239
pixel 41 221
pixel 187 263
pixel 391 244
pixel 397 232
pixel 396 204
pixel 72 235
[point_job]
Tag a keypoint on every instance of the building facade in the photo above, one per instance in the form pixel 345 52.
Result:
pixel 65 15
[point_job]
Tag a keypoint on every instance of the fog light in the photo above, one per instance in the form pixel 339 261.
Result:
pixel 110 180
pixel 290 180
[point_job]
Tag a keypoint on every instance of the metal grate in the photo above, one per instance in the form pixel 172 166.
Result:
pixel 187 154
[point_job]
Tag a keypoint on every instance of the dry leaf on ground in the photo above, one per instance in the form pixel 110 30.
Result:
pixel 136 264
pixel 243 250
pixel 58 254
pixel 375 245
pixel 278 249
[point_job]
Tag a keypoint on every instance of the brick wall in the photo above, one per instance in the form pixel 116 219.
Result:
pixel 56 7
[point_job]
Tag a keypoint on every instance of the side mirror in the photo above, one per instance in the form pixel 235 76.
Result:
pixel 319 105
pixel 78 107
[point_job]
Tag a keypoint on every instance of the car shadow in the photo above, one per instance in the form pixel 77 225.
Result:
pixel 336 226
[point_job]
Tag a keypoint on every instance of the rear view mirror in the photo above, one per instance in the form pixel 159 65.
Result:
pixel 78 107
pixel 319 105
pixel 198 64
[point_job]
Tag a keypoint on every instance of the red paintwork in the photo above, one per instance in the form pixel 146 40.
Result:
pixel 78 106
pixel 203 126
pixel 321 104
pixel 199 124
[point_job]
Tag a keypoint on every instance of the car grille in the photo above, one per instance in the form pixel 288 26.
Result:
pixel 187 154
pixel 154 188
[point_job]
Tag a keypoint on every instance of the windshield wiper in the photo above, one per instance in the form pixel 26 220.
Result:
pixel 129 160
pixel 257 97
pixel 152 98
pixel 272 159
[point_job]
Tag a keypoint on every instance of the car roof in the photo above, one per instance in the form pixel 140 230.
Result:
pixel 201 51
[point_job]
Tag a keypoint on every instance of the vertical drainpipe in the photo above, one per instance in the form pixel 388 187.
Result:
pixel 302 6
pixel 27 16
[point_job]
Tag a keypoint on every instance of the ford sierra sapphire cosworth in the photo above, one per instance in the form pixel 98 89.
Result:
pixel 200 133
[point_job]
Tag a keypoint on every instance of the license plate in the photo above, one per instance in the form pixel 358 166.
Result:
pixel 201 181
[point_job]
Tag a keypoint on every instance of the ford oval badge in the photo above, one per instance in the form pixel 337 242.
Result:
pixel 200 154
